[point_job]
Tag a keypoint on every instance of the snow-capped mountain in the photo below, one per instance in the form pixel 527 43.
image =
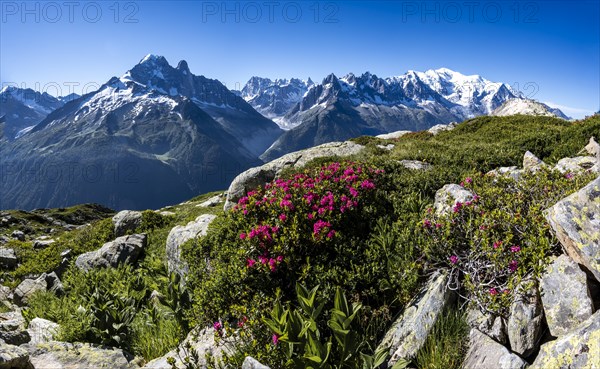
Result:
pixel 24 108
pixel 340 108
pixel 155 136
pixel 274 99
pixel 527 107
pixel 238 118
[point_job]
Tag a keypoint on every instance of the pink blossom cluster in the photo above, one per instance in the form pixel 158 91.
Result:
pixel 303 205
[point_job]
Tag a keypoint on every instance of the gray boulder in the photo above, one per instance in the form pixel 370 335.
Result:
pixel 179 235
pixel 54 355
pixel 18 235
pixel 575 165
pixel 578 349
pixel 42 244
pixel 12 328
pixel 387 147
pixel 439 128
pixel 576 222
pixel 45 282
pixel 126 221
pixel 532 162
pixel 252 363
pixel 5 294
pixel 565 296
pixel 42 330
pixel 213 201
pixel 512 172
pixel 14 357
pixel 259 176
pixel 490 325
pixel 125 249
pixel 392 135
pixel 8 258
pixel 485 353
pixel 450 195
pixel 27 288
pixel 415 164
pixel 201 341
pixel 525 321
pixel 409 332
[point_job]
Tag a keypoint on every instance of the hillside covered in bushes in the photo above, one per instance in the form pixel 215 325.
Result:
pixel 422 251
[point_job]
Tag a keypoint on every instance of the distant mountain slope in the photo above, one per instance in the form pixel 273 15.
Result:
pixel 24 108
pixel 373 105
pixel 130 145
pixel 253 130
pixel 274 99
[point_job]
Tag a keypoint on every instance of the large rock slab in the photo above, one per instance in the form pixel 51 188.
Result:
pixel 126 221
pixel 565 296
pixel 125 249
pixel 576 222
pixel 179 235
pixel 62 355
pixel 577 349
pixel 448 196
pixel 259 176
pixel 485 353
pixel 525 321
pixel 14 357
pixel 409 332
pixel 201 341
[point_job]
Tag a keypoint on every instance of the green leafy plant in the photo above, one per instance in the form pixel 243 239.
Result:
pixel 300 333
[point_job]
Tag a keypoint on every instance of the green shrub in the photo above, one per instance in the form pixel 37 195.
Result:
pixel 494 241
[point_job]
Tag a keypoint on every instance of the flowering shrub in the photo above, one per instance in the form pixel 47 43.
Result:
pixel 494 241
pixel 292 219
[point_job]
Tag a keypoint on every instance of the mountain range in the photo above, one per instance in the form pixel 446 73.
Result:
pixel 160 134
pixel 23 108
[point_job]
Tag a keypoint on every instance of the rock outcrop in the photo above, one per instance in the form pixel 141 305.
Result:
pixel 126 221
pixel 565 296
pixel 408 334
pixel 259 176
pixel 485 353
pixel 576 222
pixel 201 341
pixel 125 249
pixel 8 258
pixel 526 321
pixel 179 235
pixel 52 355
pixel 578 349
pixel 448 196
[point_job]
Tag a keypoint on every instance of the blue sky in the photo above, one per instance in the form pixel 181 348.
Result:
pixel 550 50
